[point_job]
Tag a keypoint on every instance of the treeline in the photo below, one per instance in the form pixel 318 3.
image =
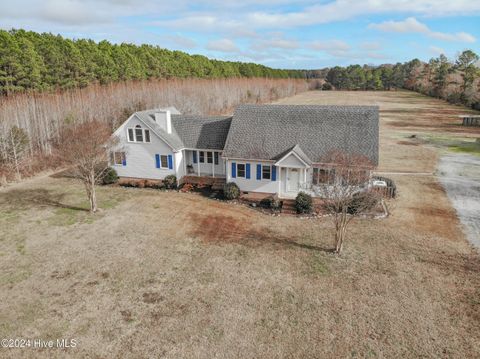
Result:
pixel 33 61
pixel 31 122
pixel 457 81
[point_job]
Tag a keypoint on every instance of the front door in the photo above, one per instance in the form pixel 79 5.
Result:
pixel 293 176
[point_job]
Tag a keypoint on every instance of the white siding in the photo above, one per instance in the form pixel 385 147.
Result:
pixel 141 156
pixel 252 184
pixel 291 161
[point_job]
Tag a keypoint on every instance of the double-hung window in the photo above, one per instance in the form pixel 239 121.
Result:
pixel 138 134
pixel 163 161
pixel 202 156
pixel 117 158
pixel 209 157
pixel 241 170
pixel 215 157
pixel 266 172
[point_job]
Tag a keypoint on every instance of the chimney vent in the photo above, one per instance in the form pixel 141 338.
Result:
pixel 164 119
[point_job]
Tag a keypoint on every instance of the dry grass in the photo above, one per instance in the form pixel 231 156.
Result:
pixel 176 275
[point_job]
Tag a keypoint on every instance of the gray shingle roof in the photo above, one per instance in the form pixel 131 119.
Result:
pixel 148 117
pixel 268 131
pixel 202 132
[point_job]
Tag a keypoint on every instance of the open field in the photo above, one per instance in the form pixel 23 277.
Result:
pixel 174 275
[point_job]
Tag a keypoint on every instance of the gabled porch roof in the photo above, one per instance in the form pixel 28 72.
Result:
pixel 294 157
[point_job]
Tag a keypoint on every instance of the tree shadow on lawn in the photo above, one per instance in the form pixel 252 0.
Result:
pixel 36 197
pixel 220 228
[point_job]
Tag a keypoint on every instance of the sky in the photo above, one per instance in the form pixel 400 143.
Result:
pixel 303 34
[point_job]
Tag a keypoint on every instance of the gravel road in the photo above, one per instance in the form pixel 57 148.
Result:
pixel 460 176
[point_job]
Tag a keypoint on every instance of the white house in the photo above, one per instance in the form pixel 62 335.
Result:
pixel 263 148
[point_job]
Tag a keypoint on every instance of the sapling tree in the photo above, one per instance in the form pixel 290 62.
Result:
pixel 345 190
pixel 84 148
pixel 14 149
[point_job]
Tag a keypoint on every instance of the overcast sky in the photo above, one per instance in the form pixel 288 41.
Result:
pixel 278 33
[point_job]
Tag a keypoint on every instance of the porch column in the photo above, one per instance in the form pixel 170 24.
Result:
pixel 184 157
pixel 305 176
pixel 198 163
pixel 213 164
pixel 279 179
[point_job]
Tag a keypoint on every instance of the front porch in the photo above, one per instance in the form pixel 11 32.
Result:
pixel 204 163
pixel 294 173
pixel 292 181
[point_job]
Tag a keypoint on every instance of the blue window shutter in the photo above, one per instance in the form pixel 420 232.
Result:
pixel 259 172
pixel 194 156
pixel 170 162
pixel 247 171
pixel 234 170
pixel 274 173
pixel 157 161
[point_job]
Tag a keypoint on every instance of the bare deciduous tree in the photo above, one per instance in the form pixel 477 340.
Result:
pixel 14 150
pixel 345 190
pixel 84 148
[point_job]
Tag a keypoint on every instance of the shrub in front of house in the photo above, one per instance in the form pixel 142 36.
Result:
pixel 231 191
pixel 303 203
pixel 362 202
pixel 110 176
pixel 170 182
pixel 326 86
pixel 270 202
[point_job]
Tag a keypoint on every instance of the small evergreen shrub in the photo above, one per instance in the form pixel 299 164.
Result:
pixel 454 98
pixel 170 182
pixel 326 86
pixel 361 202
pixel 110 176
pixel 266 202
pixel 270 202
pixel 231 190
pixel 303 203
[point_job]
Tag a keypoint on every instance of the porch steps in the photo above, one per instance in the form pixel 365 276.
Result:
pixel 288 206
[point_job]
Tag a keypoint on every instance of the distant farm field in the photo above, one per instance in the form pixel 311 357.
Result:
pixel 175 275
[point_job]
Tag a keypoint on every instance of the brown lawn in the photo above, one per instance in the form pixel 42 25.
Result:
pixel 165 274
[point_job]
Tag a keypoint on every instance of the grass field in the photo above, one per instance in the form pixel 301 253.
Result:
pixel 175 275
